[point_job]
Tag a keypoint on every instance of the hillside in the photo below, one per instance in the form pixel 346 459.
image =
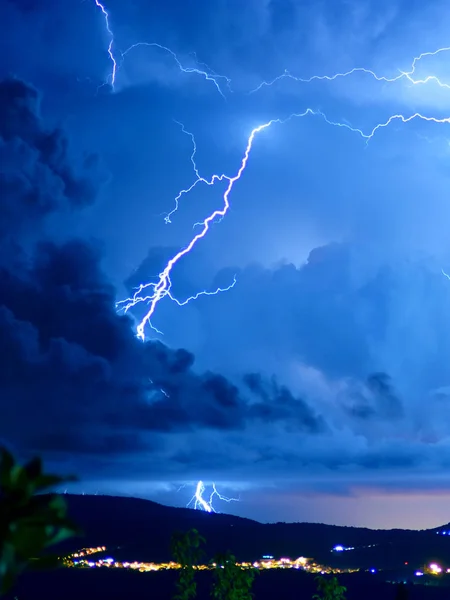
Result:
pixel 141 529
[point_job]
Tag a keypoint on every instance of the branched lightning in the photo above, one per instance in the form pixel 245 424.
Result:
pixel 163 287
pixel 199 178
pixel 207 73
pixel 137 298
pixel 409 75
pixel 151 293
pixel 203 293
pixel 201 504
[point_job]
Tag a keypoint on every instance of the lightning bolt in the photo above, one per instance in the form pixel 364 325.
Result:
pixel 151 293
pixel 199 178
pixel 162 288
pixel 111 42
pixel 409 75
pixel 207 73
pixel 125 305
pixel 201 504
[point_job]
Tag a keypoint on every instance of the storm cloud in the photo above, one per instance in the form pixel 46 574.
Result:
pixel 325 367
pixel 74 377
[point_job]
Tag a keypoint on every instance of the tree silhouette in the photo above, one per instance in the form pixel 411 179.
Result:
pixel 187 551
pixel 29 522
pixel 329 589
pixel 231 581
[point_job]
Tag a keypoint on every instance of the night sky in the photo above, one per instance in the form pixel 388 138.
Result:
pixel 318 387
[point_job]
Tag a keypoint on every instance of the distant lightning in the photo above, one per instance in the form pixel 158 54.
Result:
pixel 201 504
pixel 111 42
pixel 409 75
pixel 207 73
pixel 210 75
pixel 220 496
pixel 199 501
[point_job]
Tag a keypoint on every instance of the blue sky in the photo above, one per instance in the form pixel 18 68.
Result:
pixel 332 347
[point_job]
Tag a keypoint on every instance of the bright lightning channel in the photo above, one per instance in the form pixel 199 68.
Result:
pixel 409 75
pixel 111 42
pixel 148 298
pixel 207 505
pixel 207 73
pixel 125 305
pixel 199 178
pixel 162 288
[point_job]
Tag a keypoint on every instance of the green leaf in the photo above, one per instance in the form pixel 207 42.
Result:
pixel 18 478
pixel 58 505
pixel 64 533
pixel 29 523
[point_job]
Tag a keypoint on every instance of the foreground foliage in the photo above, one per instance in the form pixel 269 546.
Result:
pixel 231 581
pixel 29 522
pixel 187 551
pixel 329 589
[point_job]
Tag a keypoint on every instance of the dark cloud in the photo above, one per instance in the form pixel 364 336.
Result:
pixel 340 315
pixel 74 378
pixel 375 399
pixel 38 175
pixel 75 368
pixel 278 404
pixel 395 458
pixel 387 401
pixel 150 267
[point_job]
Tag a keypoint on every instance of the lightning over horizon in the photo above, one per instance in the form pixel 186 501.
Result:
pixel 207 505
